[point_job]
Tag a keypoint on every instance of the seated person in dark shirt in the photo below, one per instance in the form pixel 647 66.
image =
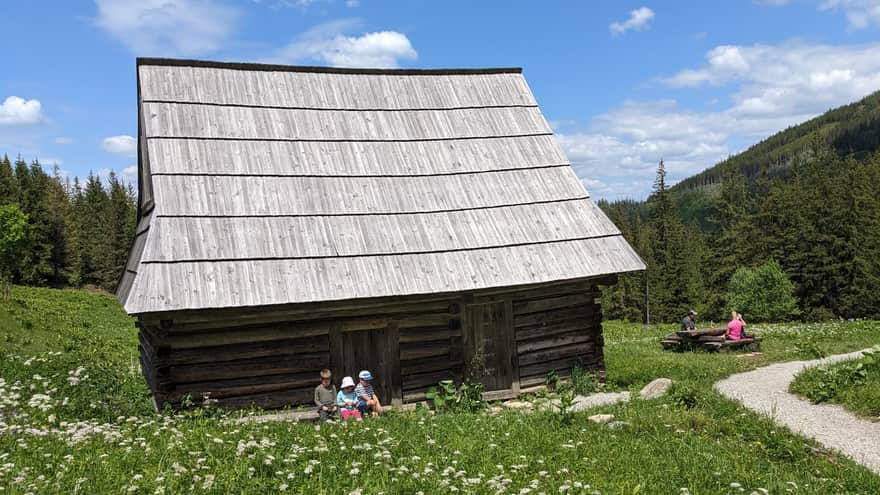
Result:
pixel 687 323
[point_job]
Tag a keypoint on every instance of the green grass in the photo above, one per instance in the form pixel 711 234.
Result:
pixel 105 439
pixel 855 385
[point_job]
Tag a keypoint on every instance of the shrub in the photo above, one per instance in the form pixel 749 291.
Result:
pixel 762 294
pixel 584 382
pixel 466 397
pixel 684 396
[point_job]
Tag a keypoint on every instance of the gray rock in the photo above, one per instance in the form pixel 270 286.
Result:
pixel 598 399
pixel 601 418
pixel 552 405
pixel 656 388
pixel 518 404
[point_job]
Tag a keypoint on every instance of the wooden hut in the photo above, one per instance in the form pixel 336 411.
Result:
pixel 410 222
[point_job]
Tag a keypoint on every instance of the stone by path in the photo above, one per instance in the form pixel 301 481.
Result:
pixel 765 390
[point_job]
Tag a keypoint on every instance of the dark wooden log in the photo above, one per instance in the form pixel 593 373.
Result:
pixel 245 335
pixel 700 332
pixel 430 364
pixel 305 345
pixel 584 349
pixel 425 380
pixel 273 365
pixel 425 320
pixel 524 334
pixel 422 350
pixel 245 386
pixel 567 339
pixel 586 311
pixel 425 334
pixel 541 368
pixel 547 304
pixel 270 400
pixel 185 321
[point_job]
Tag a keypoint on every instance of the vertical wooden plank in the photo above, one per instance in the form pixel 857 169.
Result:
pixel 336 353
pixel 392 350
pixel 510 345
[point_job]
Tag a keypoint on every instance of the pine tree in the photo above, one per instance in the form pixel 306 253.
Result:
pixel 65 263
pixel 8 184
pixel 732 247
pixel 36 268
pixel 673 269
pixel 121 218
pixel 91 207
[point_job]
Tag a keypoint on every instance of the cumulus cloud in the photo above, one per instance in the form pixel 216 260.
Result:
pixel 18 111
pixel 123 145
pixel 768 88
pixel 638 20
pixel 328 43
pixel 792 79
pixel 859 13
pixel 167 27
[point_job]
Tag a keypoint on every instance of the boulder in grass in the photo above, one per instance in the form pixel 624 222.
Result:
pixel 656 388
pixel 601 418
pixel 598 399
pixel 518 404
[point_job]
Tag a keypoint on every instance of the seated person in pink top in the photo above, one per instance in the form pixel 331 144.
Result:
pixel 735 327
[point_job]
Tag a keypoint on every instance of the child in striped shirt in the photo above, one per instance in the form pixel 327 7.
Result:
pixel 368 401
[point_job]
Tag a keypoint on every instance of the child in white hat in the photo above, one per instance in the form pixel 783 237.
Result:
pixel 347 400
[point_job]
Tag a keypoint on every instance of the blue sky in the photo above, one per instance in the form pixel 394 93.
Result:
pixel 624 84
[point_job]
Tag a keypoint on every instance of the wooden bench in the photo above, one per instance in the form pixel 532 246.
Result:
pixel 710 339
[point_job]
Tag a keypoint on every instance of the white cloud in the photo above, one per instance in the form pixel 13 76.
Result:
pixel 129 174
pixel 328 43
pixel 352 3
pixel 50 161
pixel 62 140
pixel 787 80
pixel 123 145
pixel 772 3
pixel 859 13
pixel 167 27
pixel 638 20
pixel 18 111
pixel 768 88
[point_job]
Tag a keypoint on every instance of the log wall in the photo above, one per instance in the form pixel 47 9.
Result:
pixel 556 330
pixel 271 359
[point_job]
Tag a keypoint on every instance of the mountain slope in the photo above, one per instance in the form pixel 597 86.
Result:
pixel 852 129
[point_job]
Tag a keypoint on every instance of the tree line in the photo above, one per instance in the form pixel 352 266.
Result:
pixel 76 233
pixel 819 222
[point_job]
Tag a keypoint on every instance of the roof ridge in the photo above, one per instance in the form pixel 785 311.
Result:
pixel 174 62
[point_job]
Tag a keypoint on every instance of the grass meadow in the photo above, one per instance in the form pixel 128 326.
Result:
pixel 855 385
pixel 75 417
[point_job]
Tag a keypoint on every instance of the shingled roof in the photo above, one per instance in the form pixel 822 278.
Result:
pixel 267 185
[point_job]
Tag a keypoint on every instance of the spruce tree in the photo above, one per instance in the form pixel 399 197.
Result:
pixel 91 207
pixel 36 268
pixel 8 184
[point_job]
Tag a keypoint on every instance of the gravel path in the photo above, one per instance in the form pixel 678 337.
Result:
pixel 765 390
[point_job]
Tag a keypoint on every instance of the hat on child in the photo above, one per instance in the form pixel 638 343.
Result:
pixel 347 382
pixel 365 375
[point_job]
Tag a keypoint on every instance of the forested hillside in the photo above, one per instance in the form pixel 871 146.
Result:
pixel 75 234
pixel 849 131
pixel 820 222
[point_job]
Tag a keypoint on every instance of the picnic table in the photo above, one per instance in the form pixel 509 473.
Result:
pixel 710 339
